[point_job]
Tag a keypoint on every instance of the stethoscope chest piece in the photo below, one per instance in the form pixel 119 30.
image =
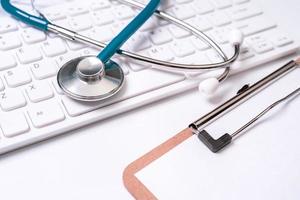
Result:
pixel 88 79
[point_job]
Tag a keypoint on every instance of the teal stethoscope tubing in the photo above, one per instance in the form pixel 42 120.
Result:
pixel 112 47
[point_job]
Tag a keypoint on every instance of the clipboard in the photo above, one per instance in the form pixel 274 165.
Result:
pixel 141 191
pixel 134 186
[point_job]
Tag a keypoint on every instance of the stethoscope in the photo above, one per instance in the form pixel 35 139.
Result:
pixel 95 78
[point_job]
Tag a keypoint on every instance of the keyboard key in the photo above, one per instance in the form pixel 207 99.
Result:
pixel 56 86
pixel 39 92
pixel 178 32
pixel 182 49
pixel 160 36
pixel 32 35
pixel 244 11
pixel 7 25
pixel 138 43
pixel 9 41
pixel 12 99
pixel 74 45
pixel 44 69
pixel 219 19
pixel 199 44
pixel 102 18
pixel 45 113
pixel 54 13
pixel 262 47
pixel 203 7
pixel 281 40
pixel 100 4
pixel 80 23
pixel 135 84
pixel 123 12
pixel 28 55
pixel 200 23
pixel 7 61
pixel 222 3
pixel 103 34
pixel 54 47
pixel 180 11
pixel 75 10
pixel 63 59
pixel 17 77
pixel 2 87
pixel 161 53
pixel 245 53
pixel 254 26
pixel 13 124
pixel 240 1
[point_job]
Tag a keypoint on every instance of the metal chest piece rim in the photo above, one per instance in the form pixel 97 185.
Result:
pixel 87 79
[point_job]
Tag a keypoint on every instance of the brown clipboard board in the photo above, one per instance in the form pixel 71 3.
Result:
pixel 134 186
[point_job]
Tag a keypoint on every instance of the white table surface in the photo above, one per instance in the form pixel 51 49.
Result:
pixel 88 163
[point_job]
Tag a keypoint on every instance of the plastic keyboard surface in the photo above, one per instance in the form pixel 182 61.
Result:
pixel 33 108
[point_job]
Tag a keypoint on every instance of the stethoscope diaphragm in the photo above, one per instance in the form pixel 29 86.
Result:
pixel 86 79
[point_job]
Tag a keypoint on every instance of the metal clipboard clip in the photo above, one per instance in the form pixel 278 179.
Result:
pixel 243 94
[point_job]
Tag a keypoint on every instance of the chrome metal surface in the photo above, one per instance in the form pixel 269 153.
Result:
pixel 100 88
pixel 265 111
pixel 239 98
pixel 90 69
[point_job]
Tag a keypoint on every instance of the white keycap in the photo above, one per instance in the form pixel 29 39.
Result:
pixel 44 69
pixel 135 84
pixel 32 35
pixel 160 36
pixel 7 25
pixel 123 12
pixel 17 77
pixel 203 7
pixel 102 18
pixel 161 53
pixel 281 40
pixel 180 11
pixel 240 1
pixel 199 44
pixel 201 23
pixel 74 45
pixel 178 32
pixel 244 11
pixel 13 124
pixel 39 92
pixel 138 42
pixel 245 53
pixel 75 10
pixel 12 99
pixel 100 4
pixel 182 49
pixel 262 47
pixel 28 55
pixel 150 25
pixel 45 113
pixel 254 26
pixel 63 59
pixel 56 86
pixel 54 13
pixel 222 3
pixel 54 47
pixel 2 87
pixel 9 41
pixel 7 61
pixel 213 56
pixel 103 34
pixel 220 35
pixel 80 23
pixel 219 19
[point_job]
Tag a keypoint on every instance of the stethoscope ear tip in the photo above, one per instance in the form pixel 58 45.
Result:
pixel 209 86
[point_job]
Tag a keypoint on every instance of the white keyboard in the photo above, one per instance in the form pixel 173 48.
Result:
pixel 33 108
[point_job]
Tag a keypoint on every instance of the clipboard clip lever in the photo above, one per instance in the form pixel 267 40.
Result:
pixel 242 95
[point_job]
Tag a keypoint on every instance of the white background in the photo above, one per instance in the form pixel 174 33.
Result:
pixel 88 163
